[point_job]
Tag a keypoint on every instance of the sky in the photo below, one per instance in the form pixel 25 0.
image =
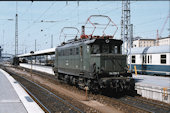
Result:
pixel 146 16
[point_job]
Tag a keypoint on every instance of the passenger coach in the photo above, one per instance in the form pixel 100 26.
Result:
pixel 151 60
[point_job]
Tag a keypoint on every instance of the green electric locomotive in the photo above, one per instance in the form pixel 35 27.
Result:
pixel 95 62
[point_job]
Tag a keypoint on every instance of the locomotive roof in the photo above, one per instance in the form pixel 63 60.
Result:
pixel 153 49
pixel 89 41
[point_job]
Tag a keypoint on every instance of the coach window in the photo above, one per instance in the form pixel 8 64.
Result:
pixel 133 59
pixel 148 59
pixel 145 59
pixel 163 59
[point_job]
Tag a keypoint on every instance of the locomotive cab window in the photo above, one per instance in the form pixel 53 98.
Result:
pixel 115 49
pixel 105 48
pixel 163 59
pixel 95 49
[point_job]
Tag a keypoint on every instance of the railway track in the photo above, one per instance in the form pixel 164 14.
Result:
pixel 133 103
pixel 145 105
pixel 46 99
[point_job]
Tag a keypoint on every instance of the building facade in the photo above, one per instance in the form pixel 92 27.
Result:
pixel 164 41
pixel 151 42
pixel 144 43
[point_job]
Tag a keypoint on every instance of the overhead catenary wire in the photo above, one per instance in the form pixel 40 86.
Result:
pixel 66 20
pixel 27 9
pixel 28 27
pixel 49 22
pixel 150 21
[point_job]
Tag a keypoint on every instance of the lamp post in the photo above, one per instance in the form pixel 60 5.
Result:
pixel 32 52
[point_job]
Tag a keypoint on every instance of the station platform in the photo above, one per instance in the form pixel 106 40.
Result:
pixel 46 69
pixel 149 80
pixel 152 87
pixel 13 98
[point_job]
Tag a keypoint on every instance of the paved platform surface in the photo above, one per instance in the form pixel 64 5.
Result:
pixel 46 69
pixel 152 80
pixel 13 98
pixel 140 79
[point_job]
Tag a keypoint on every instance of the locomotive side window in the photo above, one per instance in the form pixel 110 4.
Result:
pixel 71 51
pixel 59 53
pixel 62 53
pixel 74 51
pixel 163 59
pixel 77 51
pixel 133 59
pixel 65 52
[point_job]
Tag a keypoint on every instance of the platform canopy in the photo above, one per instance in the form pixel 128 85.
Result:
pixel 41 52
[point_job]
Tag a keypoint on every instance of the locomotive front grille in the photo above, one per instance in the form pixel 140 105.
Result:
pixel 108 65
pixel 113 63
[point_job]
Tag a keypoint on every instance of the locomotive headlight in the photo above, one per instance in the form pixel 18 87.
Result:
pixel 107 41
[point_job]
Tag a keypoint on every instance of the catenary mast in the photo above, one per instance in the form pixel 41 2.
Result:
pixel 126 29
pixel 16 30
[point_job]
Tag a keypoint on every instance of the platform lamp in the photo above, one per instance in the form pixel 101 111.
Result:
pixel 31 52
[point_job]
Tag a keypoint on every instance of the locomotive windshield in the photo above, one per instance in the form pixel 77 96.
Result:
pixel 95 49
pixel 105 48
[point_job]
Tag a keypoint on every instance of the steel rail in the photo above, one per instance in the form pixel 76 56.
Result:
pixel 141 108
pixel 131 100
pixel 151 103
pixel 59 98
pixel 32 95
